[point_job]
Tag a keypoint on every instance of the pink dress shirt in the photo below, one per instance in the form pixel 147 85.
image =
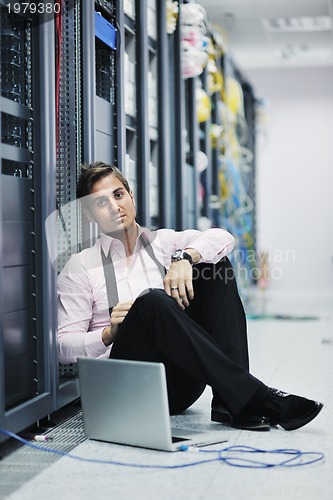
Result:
pixel 82 297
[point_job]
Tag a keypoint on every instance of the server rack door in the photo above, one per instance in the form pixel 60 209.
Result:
pixel 25 381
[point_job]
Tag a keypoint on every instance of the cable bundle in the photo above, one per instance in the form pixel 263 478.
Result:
pixel 193 43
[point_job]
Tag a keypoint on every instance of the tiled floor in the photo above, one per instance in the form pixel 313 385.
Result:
pixel 296 356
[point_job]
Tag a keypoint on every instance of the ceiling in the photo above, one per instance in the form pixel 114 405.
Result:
pixel 251 45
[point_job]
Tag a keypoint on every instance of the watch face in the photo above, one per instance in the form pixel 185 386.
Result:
pixel 177 255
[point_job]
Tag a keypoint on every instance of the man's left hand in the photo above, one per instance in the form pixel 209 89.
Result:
pixel 178 282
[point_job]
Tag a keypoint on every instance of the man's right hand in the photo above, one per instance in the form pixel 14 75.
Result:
pixel 118 315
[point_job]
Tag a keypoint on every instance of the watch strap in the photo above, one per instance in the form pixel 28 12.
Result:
pixel 187 257
pixel 180 255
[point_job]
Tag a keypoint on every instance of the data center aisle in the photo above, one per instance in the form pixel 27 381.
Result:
pixel 292 355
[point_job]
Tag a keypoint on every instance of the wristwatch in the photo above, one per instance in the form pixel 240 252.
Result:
pixel 180 255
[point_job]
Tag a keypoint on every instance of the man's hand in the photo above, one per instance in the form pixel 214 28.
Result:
pixel 178 282
pixel 118 315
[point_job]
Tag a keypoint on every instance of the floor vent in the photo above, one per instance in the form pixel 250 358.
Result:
pixel 22 464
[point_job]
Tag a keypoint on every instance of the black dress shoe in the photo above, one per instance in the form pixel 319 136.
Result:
pixel 289 411
pixel 242 421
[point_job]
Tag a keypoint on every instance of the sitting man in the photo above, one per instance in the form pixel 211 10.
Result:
pixel 168 297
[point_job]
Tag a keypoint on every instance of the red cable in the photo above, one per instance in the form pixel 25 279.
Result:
pixel 58 29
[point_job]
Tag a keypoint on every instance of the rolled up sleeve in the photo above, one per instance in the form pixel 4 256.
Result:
pixel 213 244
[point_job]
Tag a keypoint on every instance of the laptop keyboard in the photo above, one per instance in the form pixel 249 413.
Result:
pixel 178 439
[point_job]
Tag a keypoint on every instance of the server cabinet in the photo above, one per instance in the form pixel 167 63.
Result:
pixel 105 78
pixel 186 133
pixel 142 100
pixel 69 79
pixel 236 171
pixel 26 198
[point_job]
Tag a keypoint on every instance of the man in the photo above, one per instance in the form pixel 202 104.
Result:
pixel 169 297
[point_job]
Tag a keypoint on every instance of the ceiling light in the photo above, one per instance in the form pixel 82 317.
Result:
pixel 302 52
pixel 296 24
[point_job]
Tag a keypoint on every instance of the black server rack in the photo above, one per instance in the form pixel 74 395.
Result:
pixel 26 199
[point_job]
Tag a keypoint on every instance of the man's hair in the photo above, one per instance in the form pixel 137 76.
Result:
pixel 93 173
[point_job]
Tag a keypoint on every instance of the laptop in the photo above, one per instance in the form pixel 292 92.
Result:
pixel 126 402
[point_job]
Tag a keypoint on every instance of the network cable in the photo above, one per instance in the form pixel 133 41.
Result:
pixel 235 456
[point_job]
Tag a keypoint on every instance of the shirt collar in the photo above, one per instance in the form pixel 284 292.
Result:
pixel 107 242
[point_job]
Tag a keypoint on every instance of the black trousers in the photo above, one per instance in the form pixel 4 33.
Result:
pixel 205 344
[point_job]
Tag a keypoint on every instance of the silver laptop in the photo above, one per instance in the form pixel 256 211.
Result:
pixel 126 402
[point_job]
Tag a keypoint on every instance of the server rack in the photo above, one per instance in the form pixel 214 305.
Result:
pixel 27 279
pixel 238 209
pixel 190 138
pixel 69 157
pixel 143 148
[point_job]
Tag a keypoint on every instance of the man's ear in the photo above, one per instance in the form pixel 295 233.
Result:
pixel 132 196
pixel 89 215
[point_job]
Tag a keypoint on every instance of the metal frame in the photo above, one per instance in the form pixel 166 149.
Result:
pixel 164 154
pixel 68 390
pixel 193 137
pixel 45 157
pixel 179 126
pixel 2 350
pixel 89 232
pixel 207 175
pixel 249 106
pixel 88 80
pixel 143 145
pixel 215 170
pixel 214 153
pixel 120 118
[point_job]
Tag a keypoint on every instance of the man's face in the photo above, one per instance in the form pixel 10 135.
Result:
pixel 111 206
